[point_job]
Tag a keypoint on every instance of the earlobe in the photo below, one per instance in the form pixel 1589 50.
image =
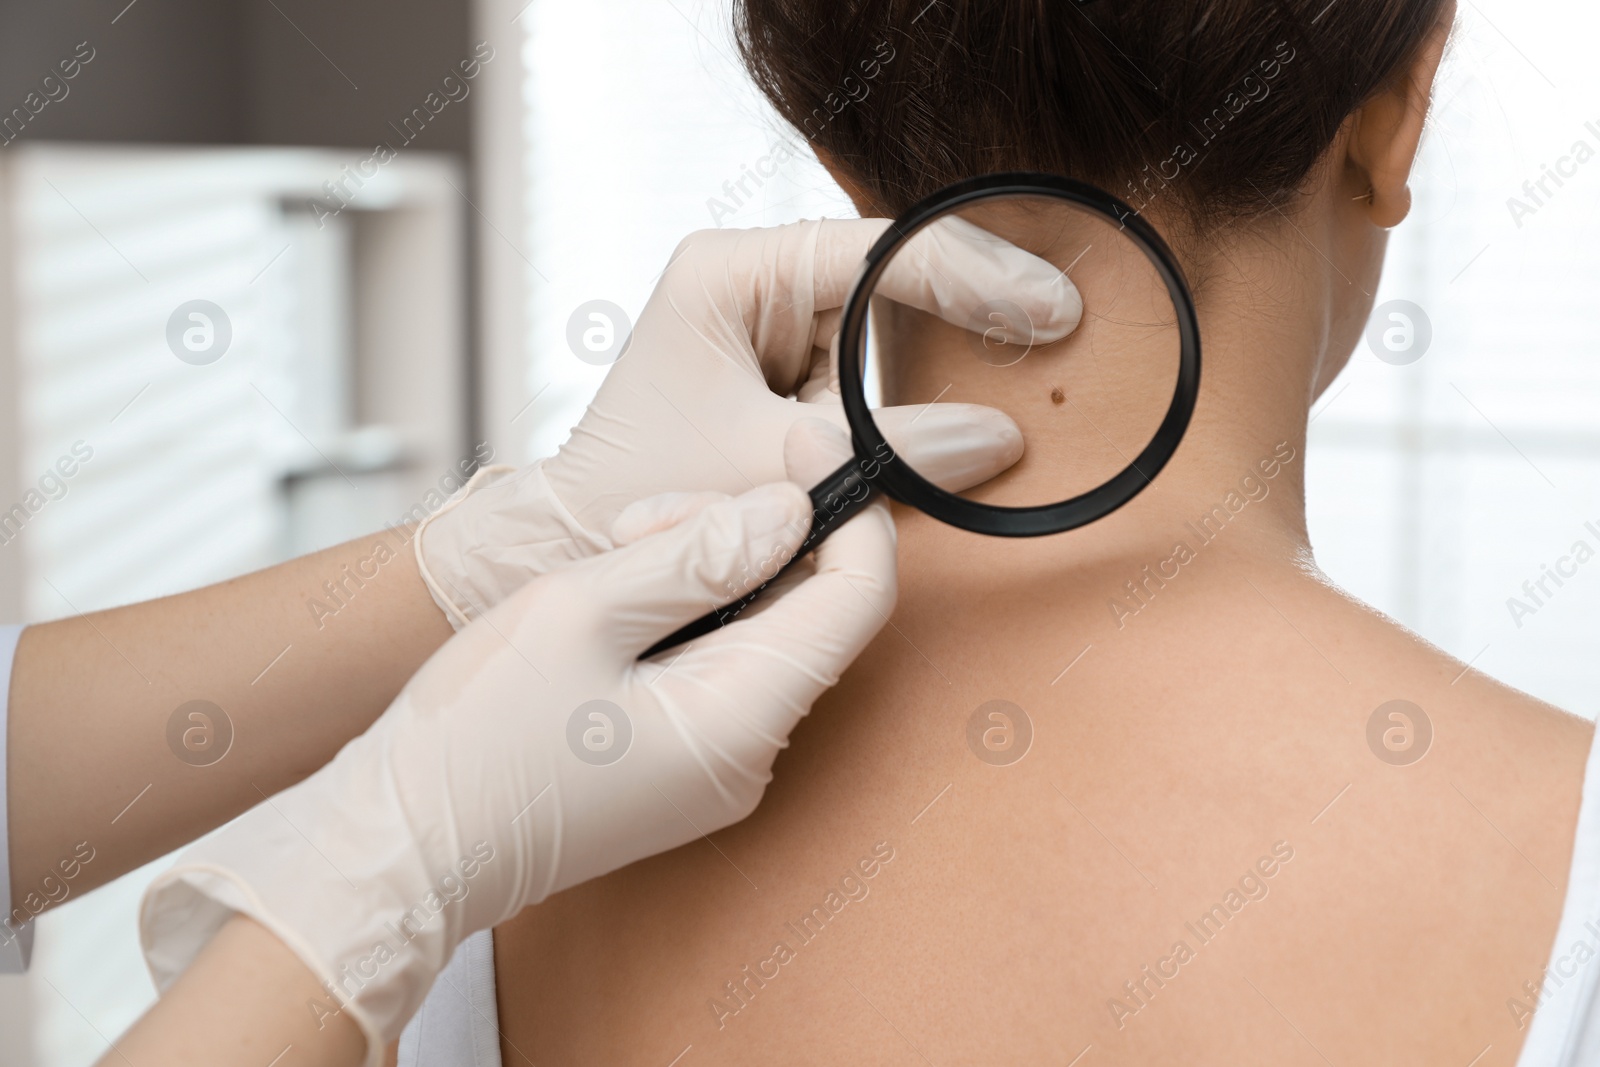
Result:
pixel 1390 209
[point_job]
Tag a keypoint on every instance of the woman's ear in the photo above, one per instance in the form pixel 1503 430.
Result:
pixel 1387 130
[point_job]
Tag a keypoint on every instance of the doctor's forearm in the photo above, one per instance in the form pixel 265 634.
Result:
pixel 246 1001
pixel 134 730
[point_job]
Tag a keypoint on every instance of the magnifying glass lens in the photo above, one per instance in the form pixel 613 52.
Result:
pixel 1044 309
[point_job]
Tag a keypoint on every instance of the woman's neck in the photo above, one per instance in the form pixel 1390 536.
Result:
pixel 1088 405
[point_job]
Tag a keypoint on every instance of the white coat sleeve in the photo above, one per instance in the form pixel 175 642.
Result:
pixel 16 942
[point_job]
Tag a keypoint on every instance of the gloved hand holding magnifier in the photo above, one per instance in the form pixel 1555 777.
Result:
pixel 1128 276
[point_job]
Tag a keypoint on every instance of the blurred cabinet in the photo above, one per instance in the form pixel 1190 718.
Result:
pixel 212 359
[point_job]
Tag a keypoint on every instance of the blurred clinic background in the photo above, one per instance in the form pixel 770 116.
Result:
pixel 269 277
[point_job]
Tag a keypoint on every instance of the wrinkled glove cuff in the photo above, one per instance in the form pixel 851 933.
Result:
pixel 502 529
pixel 355 897
pixel 483 476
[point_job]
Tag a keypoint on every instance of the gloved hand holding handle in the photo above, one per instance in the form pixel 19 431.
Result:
pixel 700 400
pixel 534 752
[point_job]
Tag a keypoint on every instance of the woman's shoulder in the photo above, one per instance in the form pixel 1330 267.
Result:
pixel 1491 744
pixel 1481 706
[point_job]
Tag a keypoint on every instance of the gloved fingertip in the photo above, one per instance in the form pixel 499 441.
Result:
pixel 1061 312
pixel 955 446
pixel 1007 436
pixel 959 426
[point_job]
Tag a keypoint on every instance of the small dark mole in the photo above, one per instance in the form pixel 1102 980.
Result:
pixel 1056 395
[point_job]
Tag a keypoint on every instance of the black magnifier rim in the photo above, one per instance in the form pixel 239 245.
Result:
pixel 904 484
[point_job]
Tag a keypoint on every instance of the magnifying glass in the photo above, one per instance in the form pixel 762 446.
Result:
pixel 1128 277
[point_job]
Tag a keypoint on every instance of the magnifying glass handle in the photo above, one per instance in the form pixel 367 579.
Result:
pixel 833 501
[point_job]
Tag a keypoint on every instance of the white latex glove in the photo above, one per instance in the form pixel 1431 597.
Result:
pixel 533 752
pixel 700 399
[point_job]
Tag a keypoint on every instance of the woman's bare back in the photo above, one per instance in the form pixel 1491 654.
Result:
pixel 1206 855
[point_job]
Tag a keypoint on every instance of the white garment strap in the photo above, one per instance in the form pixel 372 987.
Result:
pixel 1565 1030
pixel 458 1025
pixel 16 945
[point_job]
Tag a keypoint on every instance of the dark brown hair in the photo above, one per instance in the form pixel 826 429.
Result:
pixel 1221 106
